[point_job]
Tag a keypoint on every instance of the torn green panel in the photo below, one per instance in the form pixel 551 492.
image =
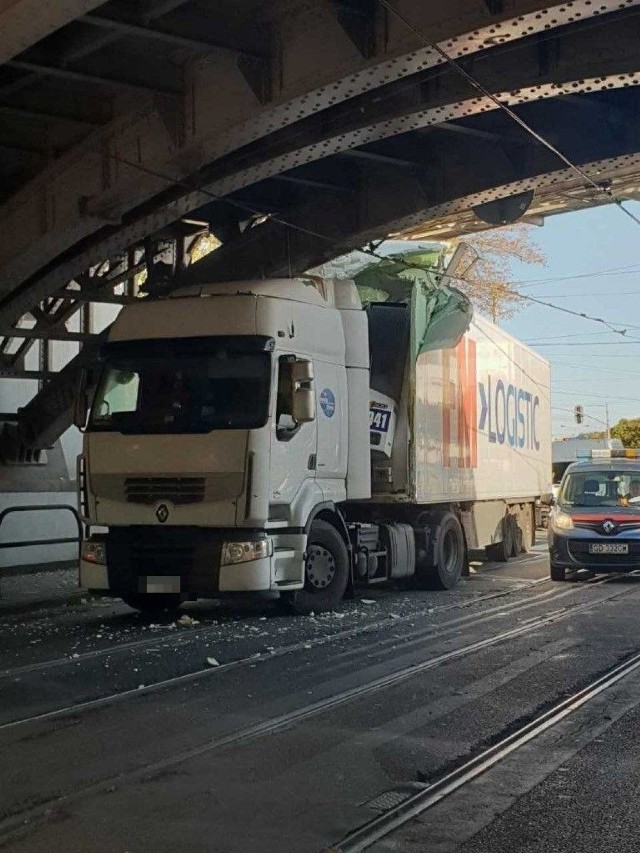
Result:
pixel 440 317
pixel 440 314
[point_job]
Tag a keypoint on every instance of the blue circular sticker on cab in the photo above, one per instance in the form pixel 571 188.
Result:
pixel 327 402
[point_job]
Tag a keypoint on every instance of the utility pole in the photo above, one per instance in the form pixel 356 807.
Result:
pixel 606 408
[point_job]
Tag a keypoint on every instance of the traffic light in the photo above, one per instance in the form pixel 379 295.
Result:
pixel 579 413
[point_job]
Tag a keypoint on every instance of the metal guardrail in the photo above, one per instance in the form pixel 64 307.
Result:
pixel 65 540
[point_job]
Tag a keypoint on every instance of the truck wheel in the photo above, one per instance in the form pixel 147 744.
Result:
pixel 557 573
pixel 151 602
pixel 326 571
pixel 501 551
pixel 516 536
pixel 449 552
pixel 526 530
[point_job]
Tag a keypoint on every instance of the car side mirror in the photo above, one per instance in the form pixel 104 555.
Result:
pixel 81 402
pixel 547 499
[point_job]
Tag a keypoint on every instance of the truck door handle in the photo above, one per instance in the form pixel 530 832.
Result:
pixel 311 464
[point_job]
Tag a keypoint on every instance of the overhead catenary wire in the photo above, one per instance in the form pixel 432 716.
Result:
pixel 276 218
pixel 606 191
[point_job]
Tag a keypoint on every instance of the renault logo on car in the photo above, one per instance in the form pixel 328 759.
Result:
pixel 609 526
pixel 162 513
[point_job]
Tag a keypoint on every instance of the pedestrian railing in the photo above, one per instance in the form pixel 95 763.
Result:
pixel 27 543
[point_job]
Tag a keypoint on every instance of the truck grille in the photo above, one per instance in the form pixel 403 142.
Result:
pixel 177 490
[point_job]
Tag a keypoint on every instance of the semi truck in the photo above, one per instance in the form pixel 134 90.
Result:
pixel 277 436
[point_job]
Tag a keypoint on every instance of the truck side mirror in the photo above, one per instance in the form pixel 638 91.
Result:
pixel 304 405
pixel 81 402
pixel 304 398
pixel 547 499
pixel 301 372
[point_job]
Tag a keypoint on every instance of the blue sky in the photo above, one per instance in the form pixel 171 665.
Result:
pixel 594 365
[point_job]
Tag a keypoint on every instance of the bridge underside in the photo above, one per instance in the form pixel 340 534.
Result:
pixel 293 132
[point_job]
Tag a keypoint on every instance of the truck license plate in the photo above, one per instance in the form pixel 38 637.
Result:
pixel 160 584
pixel 601 548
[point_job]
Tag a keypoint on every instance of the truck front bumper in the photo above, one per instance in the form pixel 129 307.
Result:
pixel 188 562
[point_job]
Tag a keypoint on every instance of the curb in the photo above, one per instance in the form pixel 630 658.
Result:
pixel 10 608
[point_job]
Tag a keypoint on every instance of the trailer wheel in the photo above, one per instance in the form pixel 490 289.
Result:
pixel 526 528
pixel 152 602
pixel 449 551
pixel 326 571
pixel 516 536
pixel 501 551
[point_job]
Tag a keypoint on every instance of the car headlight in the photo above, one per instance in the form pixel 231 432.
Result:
pixel 94 552
pixel 243 552
pixel 562 521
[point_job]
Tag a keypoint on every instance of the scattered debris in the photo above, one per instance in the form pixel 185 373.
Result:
pixel 185 619
pixel 213 662
pixel 367 601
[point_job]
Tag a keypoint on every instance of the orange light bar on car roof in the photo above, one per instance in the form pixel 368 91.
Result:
pixel 610 453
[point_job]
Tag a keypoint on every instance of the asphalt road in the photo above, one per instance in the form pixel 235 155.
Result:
pixel 242 729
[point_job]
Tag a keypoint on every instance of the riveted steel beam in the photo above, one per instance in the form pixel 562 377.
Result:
pixel 85 77
pixel 25 22
pixel 308 82
pixel 181 200
pixel 167 37
pixel 359 18
pixel 304 236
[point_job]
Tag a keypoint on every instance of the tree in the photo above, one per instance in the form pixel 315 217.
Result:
pixel 628 431
pixel 488 281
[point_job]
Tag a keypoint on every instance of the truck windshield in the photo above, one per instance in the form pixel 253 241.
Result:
pixel 181 391
pixel 601 488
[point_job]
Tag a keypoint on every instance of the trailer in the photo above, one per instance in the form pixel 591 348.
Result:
pixel 278 437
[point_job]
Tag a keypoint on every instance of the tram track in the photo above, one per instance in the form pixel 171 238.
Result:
pixel 438 631
pixel 168 638
pixel 417 804
pixel 21 820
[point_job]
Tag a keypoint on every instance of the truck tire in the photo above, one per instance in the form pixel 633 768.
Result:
pixel 516 536
pixel 450 553
pixel 152 602
pixel 326 572
pixel 501 551
pixel 526 529
pixel 557 573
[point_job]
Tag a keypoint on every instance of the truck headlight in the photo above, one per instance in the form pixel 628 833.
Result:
pixel 243 552
pixel 563 521
pixel 94 552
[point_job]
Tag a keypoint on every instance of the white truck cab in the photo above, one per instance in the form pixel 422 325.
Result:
pixel 206 454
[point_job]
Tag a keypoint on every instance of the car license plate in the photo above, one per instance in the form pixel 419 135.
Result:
pixel 608 548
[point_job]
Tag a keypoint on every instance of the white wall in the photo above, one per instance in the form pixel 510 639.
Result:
pixel 46 485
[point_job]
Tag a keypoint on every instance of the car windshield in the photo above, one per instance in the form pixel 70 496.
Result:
pixel 174 388
pixel 601 488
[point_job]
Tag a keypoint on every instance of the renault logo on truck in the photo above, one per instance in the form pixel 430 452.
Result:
pixel 162 513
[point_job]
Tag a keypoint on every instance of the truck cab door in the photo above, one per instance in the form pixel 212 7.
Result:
pixel 293 443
